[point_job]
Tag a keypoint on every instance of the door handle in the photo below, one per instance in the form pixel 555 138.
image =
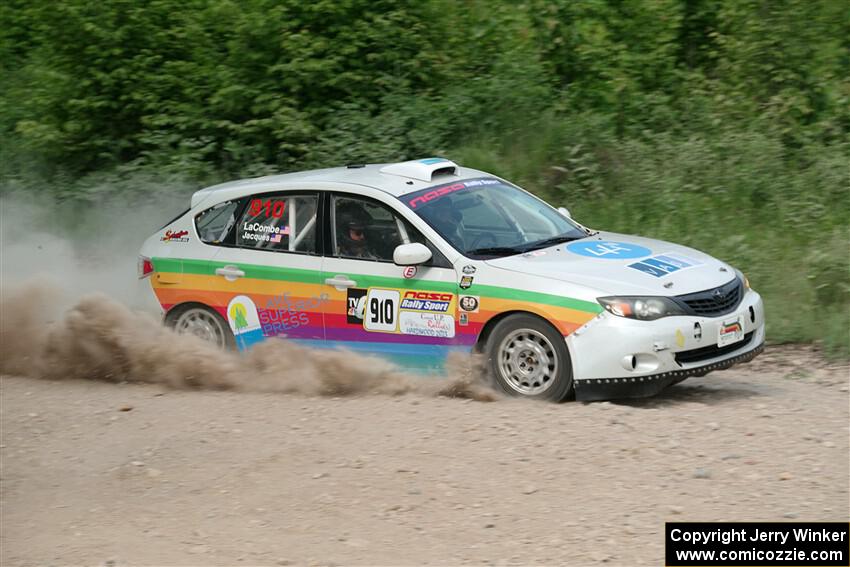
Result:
pixel 340 282
pixel 230 273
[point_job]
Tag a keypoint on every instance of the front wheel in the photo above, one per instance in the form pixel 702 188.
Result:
pixel 203 323
pixel 527 357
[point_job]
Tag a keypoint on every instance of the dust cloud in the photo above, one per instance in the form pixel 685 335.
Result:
pixel 100 339
pixel 83 246
pixel 72 308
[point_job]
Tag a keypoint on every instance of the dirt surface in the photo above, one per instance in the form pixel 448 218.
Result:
pixel 139 474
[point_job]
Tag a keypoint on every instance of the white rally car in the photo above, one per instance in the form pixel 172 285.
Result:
pixel 417 259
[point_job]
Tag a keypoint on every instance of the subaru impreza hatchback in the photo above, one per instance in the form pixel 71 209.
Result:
pixel 418 259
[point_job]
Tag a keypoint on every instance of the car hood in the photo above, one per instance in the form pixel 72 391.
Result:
pixel 619 264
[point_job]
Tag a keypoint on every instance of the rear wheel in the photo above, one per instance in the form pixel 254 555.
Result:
pixel 527 357
pixel 203 323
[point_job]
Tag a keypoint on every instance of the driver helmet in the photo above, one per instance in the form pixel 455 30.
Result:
pixel 352 221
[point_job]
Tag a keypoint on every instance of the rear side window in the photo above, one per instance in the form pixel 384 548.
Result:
pixel 280 223
pixel 214 223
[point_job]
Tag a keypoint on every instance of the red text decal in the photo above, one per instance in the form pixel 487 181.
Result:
pixel 431 195
pixel 171 235
pixel 428 295
pixel 272 208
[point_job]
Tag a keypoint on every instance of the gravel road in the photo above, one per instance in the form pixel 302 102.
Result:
pixel 138 474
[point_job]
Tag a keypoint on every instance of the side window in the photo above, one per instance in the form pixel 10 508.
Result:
pixel 367 230
pixel 281 223
pixel 214 223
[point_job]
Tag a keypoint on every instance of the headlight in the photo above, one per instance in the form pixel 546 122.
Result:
pixel 744 279
pixel 643 308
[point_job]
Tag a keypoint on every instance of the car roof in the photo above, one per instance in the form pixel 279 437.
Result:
pixel 395 179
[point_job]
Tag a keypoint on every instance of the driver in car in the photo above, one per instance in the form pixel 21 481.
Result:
pixel 352 224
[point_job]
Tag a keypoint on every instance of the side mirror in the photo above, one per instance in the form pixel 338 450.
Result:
pixel 411 254
pixel 565 211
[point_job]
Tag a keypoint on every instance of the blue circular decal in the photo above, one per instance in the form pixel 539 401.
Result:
pixel 608 250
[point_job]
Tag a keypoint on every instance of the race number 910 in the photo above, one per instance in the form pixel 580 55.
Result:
pixel 381 310
pixel 273 209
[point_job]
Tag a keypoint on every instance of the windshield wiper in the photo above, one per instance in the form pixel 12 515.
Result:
pixel 551 242
pixel 494 251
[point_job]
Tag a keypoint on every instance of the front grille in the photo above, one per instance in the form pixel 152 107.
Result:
pixel 716 301
pixel 713 351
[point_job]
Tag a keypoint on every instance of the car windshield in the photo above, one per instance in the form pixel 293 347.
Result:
pixel 485 218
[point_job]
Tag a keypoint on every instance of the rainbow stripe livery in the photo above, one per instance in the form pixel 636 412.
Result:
pixel 296 304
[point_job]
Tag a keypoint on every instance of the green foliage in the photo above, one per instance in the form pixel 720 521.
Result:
pixel 721 124
pixel 242 86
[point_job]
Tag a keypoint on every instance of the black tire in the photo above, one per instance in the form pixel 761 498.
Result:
pixel 212 326
pixel 527 357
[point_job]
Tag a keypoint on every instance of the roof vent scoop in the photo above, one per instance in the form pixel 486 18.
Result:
pixel 422 169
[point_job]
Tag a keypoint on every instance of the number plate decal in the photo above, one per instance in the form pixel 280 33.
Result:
pixel 381 312
pixel 409 312
pixel 730 332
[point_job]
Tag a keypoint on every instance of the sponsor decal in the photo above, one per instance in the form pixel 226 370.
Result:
pixel 356 306
pixel 479 182
pixel 468 269
pixel 427 324
pixel 425 196
pixel 680 339
pixel 283 313
pixel 664 264
pixel 469 303
pixel 244 321
pixel 432 160
pixel 175 236
pixel 436 295
pixel 409 272
pixel 465 282
pixel 434 194
pixel 428 301
pixel 608 250
pixel 463 319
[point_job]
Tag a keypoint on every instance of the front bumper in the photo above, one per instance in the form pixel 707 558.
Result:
pixel 645 386
pixel 614 357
